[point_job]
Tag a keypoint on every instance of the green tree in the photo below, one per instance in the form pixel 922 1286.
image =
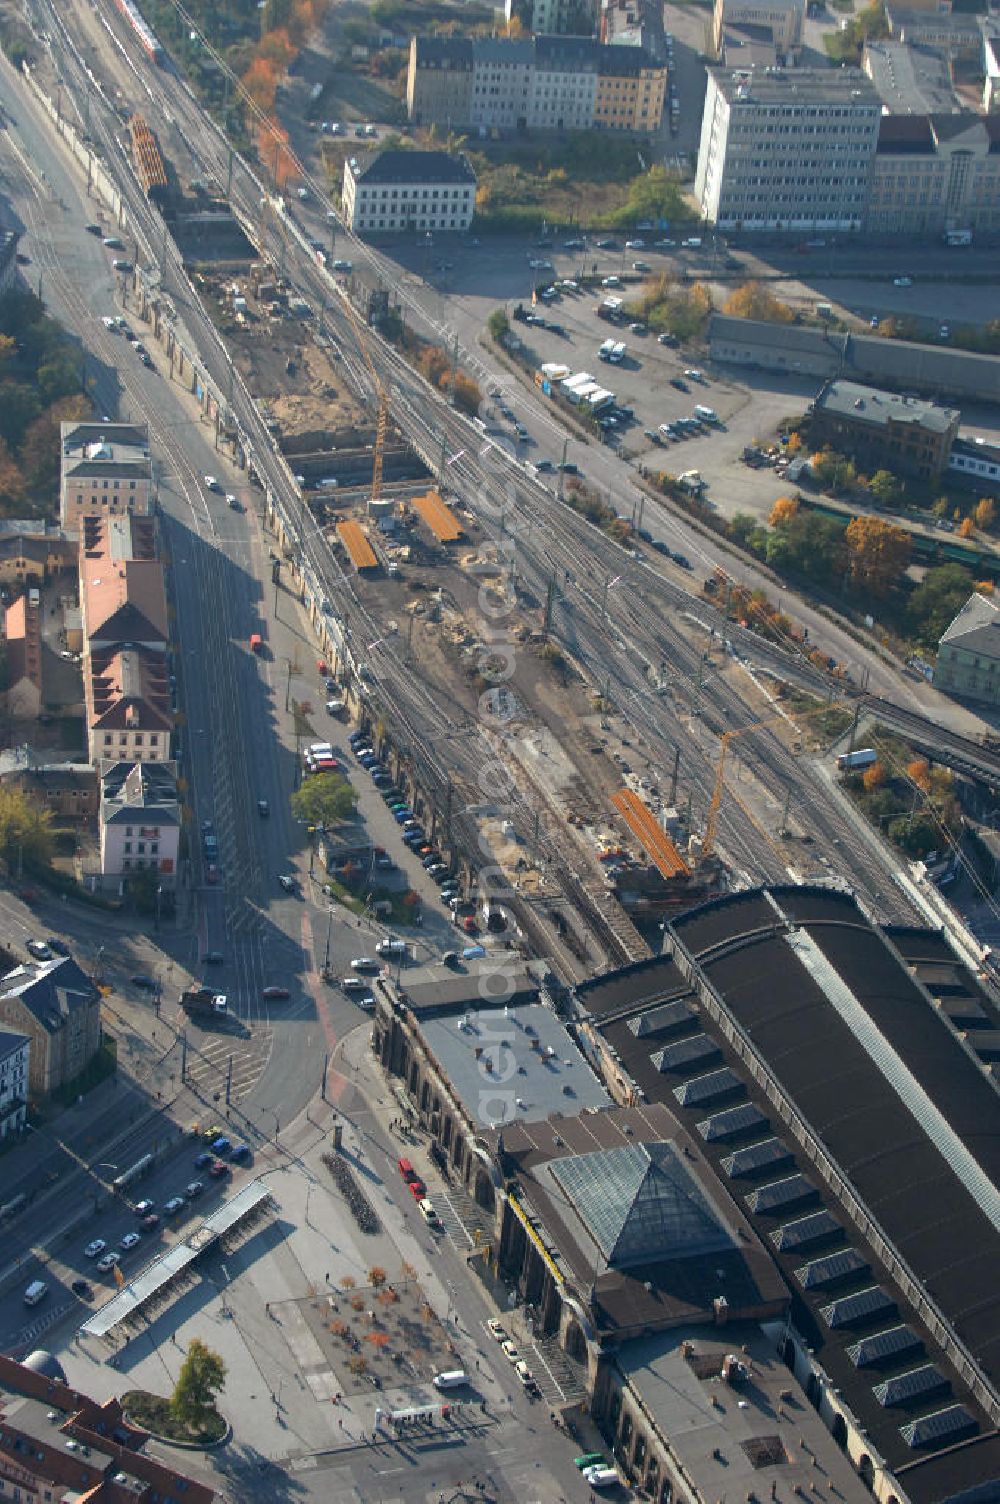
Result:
pixel 324 799
pixel 25 831
pixel 938 598
pixel 655 195
pixel 19 406
pixel 202 1375
pixel 885 487
pixel 498 324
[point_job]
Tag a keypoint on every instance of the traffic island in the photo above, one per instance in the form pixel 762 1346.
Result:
pixel 152 1413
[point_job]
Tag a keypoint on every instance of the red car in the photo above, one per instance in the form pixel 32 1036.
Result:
pixel 212 873
pixel 150 1223
pixel 217 1169
pixel 469 925
pixel 417 1189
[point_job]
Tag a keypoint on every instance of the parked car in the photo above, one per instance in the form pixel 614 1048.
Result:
pixel 203 1159
pixel 218 1169
pixel 173 1206
pixel 143 1208
pixel 108 1262
pixel 150 1223
pixel 222 1145
pixel 39 950
pixel 82 1288
pixel 193 1188
pixel 129 1241
pixel 276 993
pixel 94 1247
pixel 144 983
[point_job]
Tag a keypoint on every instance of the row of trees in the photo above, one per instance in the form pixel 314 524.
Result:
pixel 41 371
pixel 869 554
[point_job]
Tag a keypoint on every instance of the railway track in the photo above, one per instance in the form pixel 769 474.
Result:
pixel 613 614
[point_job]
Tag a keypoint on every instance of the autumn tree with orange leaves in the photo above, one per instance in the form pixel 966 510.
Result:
pixel 878 553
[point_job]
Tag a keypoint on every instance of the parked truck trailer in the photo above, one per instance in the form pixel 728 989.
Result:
pixel 851 761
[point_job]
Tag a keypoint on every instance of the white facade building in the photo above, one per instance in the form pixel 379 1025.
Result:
pixel 408 190
pixel 792 149
pixel 140 821
pixel 14 1052
pixel 106 469
pixel 563 87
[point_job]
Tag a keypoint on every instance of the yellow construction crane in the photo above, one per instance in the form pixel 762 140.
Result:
pixel 382 419
pixel 715 803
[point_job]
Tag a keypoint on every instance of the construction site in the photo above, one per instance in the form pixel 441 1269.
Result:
pixel 605 830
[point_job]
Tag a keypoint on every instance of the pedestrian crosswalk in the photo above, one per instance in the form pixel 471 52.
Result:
pixel 464 1221
pixel 560 1380
pixel 208 1064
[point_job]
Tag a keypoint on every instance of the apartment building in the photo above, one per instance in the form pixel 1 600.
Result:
pixel 140 820
pixel 129 715
pixel 408 190
pixel 105 469
pixel 573 17
pixel 125 630
pixel 545 83
pixel 58 1444
pixel 439 80
pixel 563 83
pixel 968 659
pixel 123 597
pixel 906 435
pixel 32 551
pixel 58 1007
pixel 22 639
pixel 935 172
pixel 782 18
pixel 630 91
pixel 15 1051
pixel 787 149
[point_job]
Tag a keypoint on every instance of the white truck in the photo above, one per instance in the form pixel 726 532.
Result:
pixel 865 757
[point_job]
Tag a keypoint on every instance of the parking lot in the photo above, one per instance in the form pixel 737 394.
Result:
pixel 652 381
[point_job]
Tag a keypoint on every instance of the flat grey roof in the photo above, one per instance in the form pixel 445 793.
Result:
pixel 717 1443
pixel 797 87
pixel 871 404
pixel 910 80
pixel 510 1065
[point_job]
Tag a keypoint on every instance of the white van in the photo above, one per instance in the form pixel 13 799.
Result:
pixel 453 1380
pixel 35 1292
pixel 708 414
pixel 601 1477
